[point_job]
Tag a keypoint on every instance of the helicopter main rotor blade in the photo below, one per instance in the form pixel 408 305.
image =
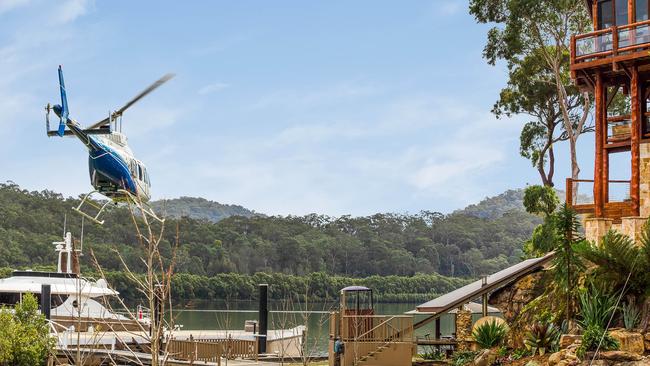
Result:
pixel 148 90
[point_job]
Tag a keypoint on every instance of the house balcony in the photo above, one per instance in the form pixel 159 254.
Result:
pixel 610 46
pixel 616 198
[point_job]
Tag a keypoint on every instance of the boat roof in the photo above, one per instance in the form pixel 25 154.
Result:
pixel 60 284
pixel 355 288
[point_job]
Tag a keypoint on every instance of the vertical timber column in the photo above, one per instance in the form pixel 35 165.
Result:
pixel 263 318
pixel 46 300
pixel 598 163
pixel 635 140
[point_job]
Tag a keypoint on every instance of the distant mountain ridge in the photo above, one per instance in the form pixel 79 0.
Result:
pixel 496 206
pixel 200 208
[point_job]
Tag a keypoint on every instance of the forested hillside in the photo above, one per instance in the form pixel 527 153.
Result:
pixel 458 245
pixel 199 208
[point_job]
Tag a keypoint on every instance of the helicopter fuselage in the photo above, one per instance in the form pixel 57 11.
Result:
pixel 113 167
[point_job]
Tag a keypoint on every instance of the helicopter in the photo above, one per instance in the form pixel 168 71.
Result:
pixel 114 170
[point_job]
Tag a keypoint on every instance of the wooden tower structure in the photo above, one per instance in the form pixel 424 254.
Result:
pixel 613 62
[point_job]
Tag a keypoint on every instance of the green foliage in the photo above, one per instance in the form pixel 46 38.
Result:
pixel 631 315
pixel 463 358
pixel 24 335
pixel 540 200
pixel 542 337
pixel 458 245
pixel 533 38
pixel 592 336
pixel 617 256
pixel 490 334
pixel 596 307
pixel 433 355
pixel 318 286
pixel 519 353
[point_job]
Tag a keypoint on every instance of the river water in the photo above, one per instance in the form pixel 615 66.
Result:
pixel 219 315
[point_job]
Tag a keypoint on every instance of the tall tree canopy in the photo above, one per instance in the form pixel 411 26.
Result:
pixel 533 37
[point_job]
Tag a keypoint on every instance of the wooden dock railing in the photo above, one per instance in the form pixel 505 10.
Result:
pixel 227 347
pixel 192 350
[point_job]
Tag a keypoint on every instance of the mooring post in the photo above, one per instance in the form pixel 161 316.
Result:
pixel 46 300
pixel 263 318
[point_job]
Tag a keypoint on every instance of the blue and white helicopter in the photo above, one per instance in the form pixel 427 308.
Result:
pixel 114 170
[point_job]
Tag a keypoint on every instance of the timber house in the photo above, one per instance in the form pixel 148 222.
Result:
pixel 613 63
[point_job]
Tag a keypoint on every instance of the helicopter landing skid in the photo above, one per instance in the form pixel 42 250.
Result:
pixel 144 208
pixel 97 206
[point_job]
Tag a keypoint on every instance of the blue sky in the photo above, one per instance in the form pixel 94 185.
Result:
pixel 284 107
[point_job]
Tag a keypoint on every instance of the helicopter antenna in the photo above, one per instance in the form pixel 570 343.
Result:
pixel 81 240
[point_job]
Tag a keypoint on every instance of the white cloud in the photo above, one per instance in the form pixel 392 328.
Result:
pixel 8 5
pixel 144 119
pixel 405 153
pixel 71 10
pixel 212 88
pixel 313 97
pixel 448 7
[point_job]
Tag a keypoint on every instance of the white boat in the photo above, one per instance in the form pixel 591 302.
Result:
pixel 76 302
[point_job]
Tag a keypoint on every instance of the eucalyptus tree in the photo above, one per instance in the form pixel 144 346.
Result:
pixel 539 29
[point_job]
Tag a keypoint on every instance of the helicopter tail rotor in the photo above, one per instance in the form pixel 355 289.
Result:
pixel 64 105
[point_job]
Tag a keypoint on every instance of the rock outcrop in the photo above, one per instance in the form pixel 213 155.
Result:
pixel 629 341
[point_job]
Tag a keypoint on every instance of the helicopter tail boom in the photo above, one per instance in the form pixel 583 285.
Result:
pixel 64 105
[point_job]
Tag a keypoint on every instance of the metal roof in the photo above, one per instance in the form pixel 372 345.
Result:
pixel 474 307
pixel 475 289
pixel 355 288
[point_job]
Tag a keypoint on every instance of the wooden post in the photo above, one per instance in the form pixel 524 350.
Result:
pixel 598 163
pixel 631 14
pixel 635 138
pixel 569 192
pixel 573 55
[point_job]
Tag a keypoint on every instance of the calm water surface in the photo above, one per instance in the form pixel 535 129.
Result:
pixel 219 315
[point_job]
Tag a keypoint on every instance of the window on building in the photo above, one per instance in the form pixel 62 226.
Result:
pixel 621 12
pixel 605 14
pixel 641 10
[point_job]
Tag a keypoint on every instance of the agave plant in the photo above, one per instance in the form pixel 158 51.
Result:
pixel 490 334
pixel 630 315
pixel 542 337
pixel 596 307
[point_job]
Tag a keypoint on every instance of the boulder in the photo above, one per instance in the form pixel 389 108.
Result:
pixel 595 363
pixel 562 358
pixel 619 356
pixel 568 339
pixel 629 341
pixel 487 357
pixel 634 363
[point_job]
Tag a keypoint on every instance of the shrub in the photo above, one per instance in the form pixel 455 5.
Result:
pixel 542 337
pixel 433 355
pixel 463 358
pixel 596 308
pixel 591 338
pixel 518 353
pixel 490 334
pixel 630 315
pixel 24 334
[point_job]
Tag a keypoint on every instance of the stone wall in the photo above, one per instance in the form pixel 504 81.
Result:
pixel 513 298
pixel 464 329
pixel 644 179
